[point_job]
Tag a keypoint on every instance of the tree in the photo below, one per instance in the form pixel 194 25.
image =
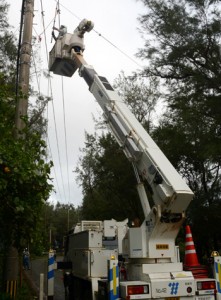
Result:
pixel 185 55
pixel 23 185
pixel 57 220
pixel 141 96
pixel 24 175
pixel 107 178
pixel 24 172
pixel 8 49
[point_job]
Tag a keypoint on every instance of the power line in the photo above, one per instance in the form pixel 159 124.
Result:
pixel 55 124
pixel 49 147
pixel 55 174
pixel 102 36
pixel 35 69
pixel 47 137
pixel 121 51
pixel 65 135
pixel 57 12
pixel 64 115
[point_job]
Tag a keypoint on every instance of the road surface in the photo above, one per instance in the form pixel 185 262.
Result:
pixel 40 266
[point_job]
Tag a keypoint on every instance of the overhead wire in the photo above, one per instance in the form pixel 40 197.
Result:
pixel 63 102
pixel 57 12
pixel 36 74
pixel 67 9
pixel 48 141
pixel 106 39
pixel 50 151
pixel 55 174
pixel 65 136
pixel 47 138
pixel 64 115
pixel 39 93
pixel 53 108
pixel 121 51
pixel 20 29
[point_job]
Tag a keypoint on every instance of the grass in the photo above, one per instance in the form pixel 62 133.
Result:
pixel 25 292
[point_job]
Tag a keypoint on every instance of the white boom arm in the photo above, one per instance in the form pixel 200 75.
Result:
pixel 170 193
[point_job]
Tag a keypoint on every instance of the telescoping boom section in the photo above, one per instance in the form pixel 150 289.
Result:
pixel 170 193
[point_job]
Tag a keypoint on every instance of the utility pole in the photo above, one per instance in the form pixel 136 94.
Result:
pixel 12 265
pixel 24 69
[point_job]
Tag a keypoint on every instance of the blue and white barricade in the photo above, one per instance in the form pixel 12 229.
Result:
pixel 217 274
pixel 51 267
pixel 113 279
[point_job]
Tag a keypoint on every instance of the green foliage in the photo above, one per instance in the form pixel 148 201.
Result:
pixel 56 221
pixel 3 12
pixel 25 292
pixel 186 56
pixel 5 296
pixel 7 107
pixel 8 49
pixel 108 181
pixel 23 187
pixel 105 174
pixel 24 174
pixel 141 96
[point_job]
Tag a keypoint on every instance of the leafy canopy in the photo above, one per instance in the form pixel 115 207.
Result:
pixel 24 174
pixel 182 44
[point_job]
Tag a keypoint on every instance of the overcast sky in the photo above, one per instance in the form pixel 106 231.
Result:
pixel 115 31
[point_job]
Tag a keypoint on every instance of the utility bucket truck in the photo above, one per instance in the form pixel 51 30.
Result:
pixel 109 259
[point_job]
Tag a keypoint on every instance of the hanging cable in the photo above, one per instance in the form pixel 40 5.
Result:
pixel 65 135
pixel 36 74
pixel 57 11
pixel 124 53
pixel 56 132
pixel 49 147
pixel 55 174
pixel 64 116
pixel 107 40
pixel 69 11
pixel 47 137
pixel 63 101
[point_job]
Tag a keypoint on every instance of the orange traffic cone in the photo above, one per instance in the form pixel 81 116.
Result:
pixel 191 259
pixel 191 262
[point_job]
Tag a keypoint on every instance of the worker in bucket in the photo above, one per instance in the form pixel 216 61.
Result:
pixel 62 31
